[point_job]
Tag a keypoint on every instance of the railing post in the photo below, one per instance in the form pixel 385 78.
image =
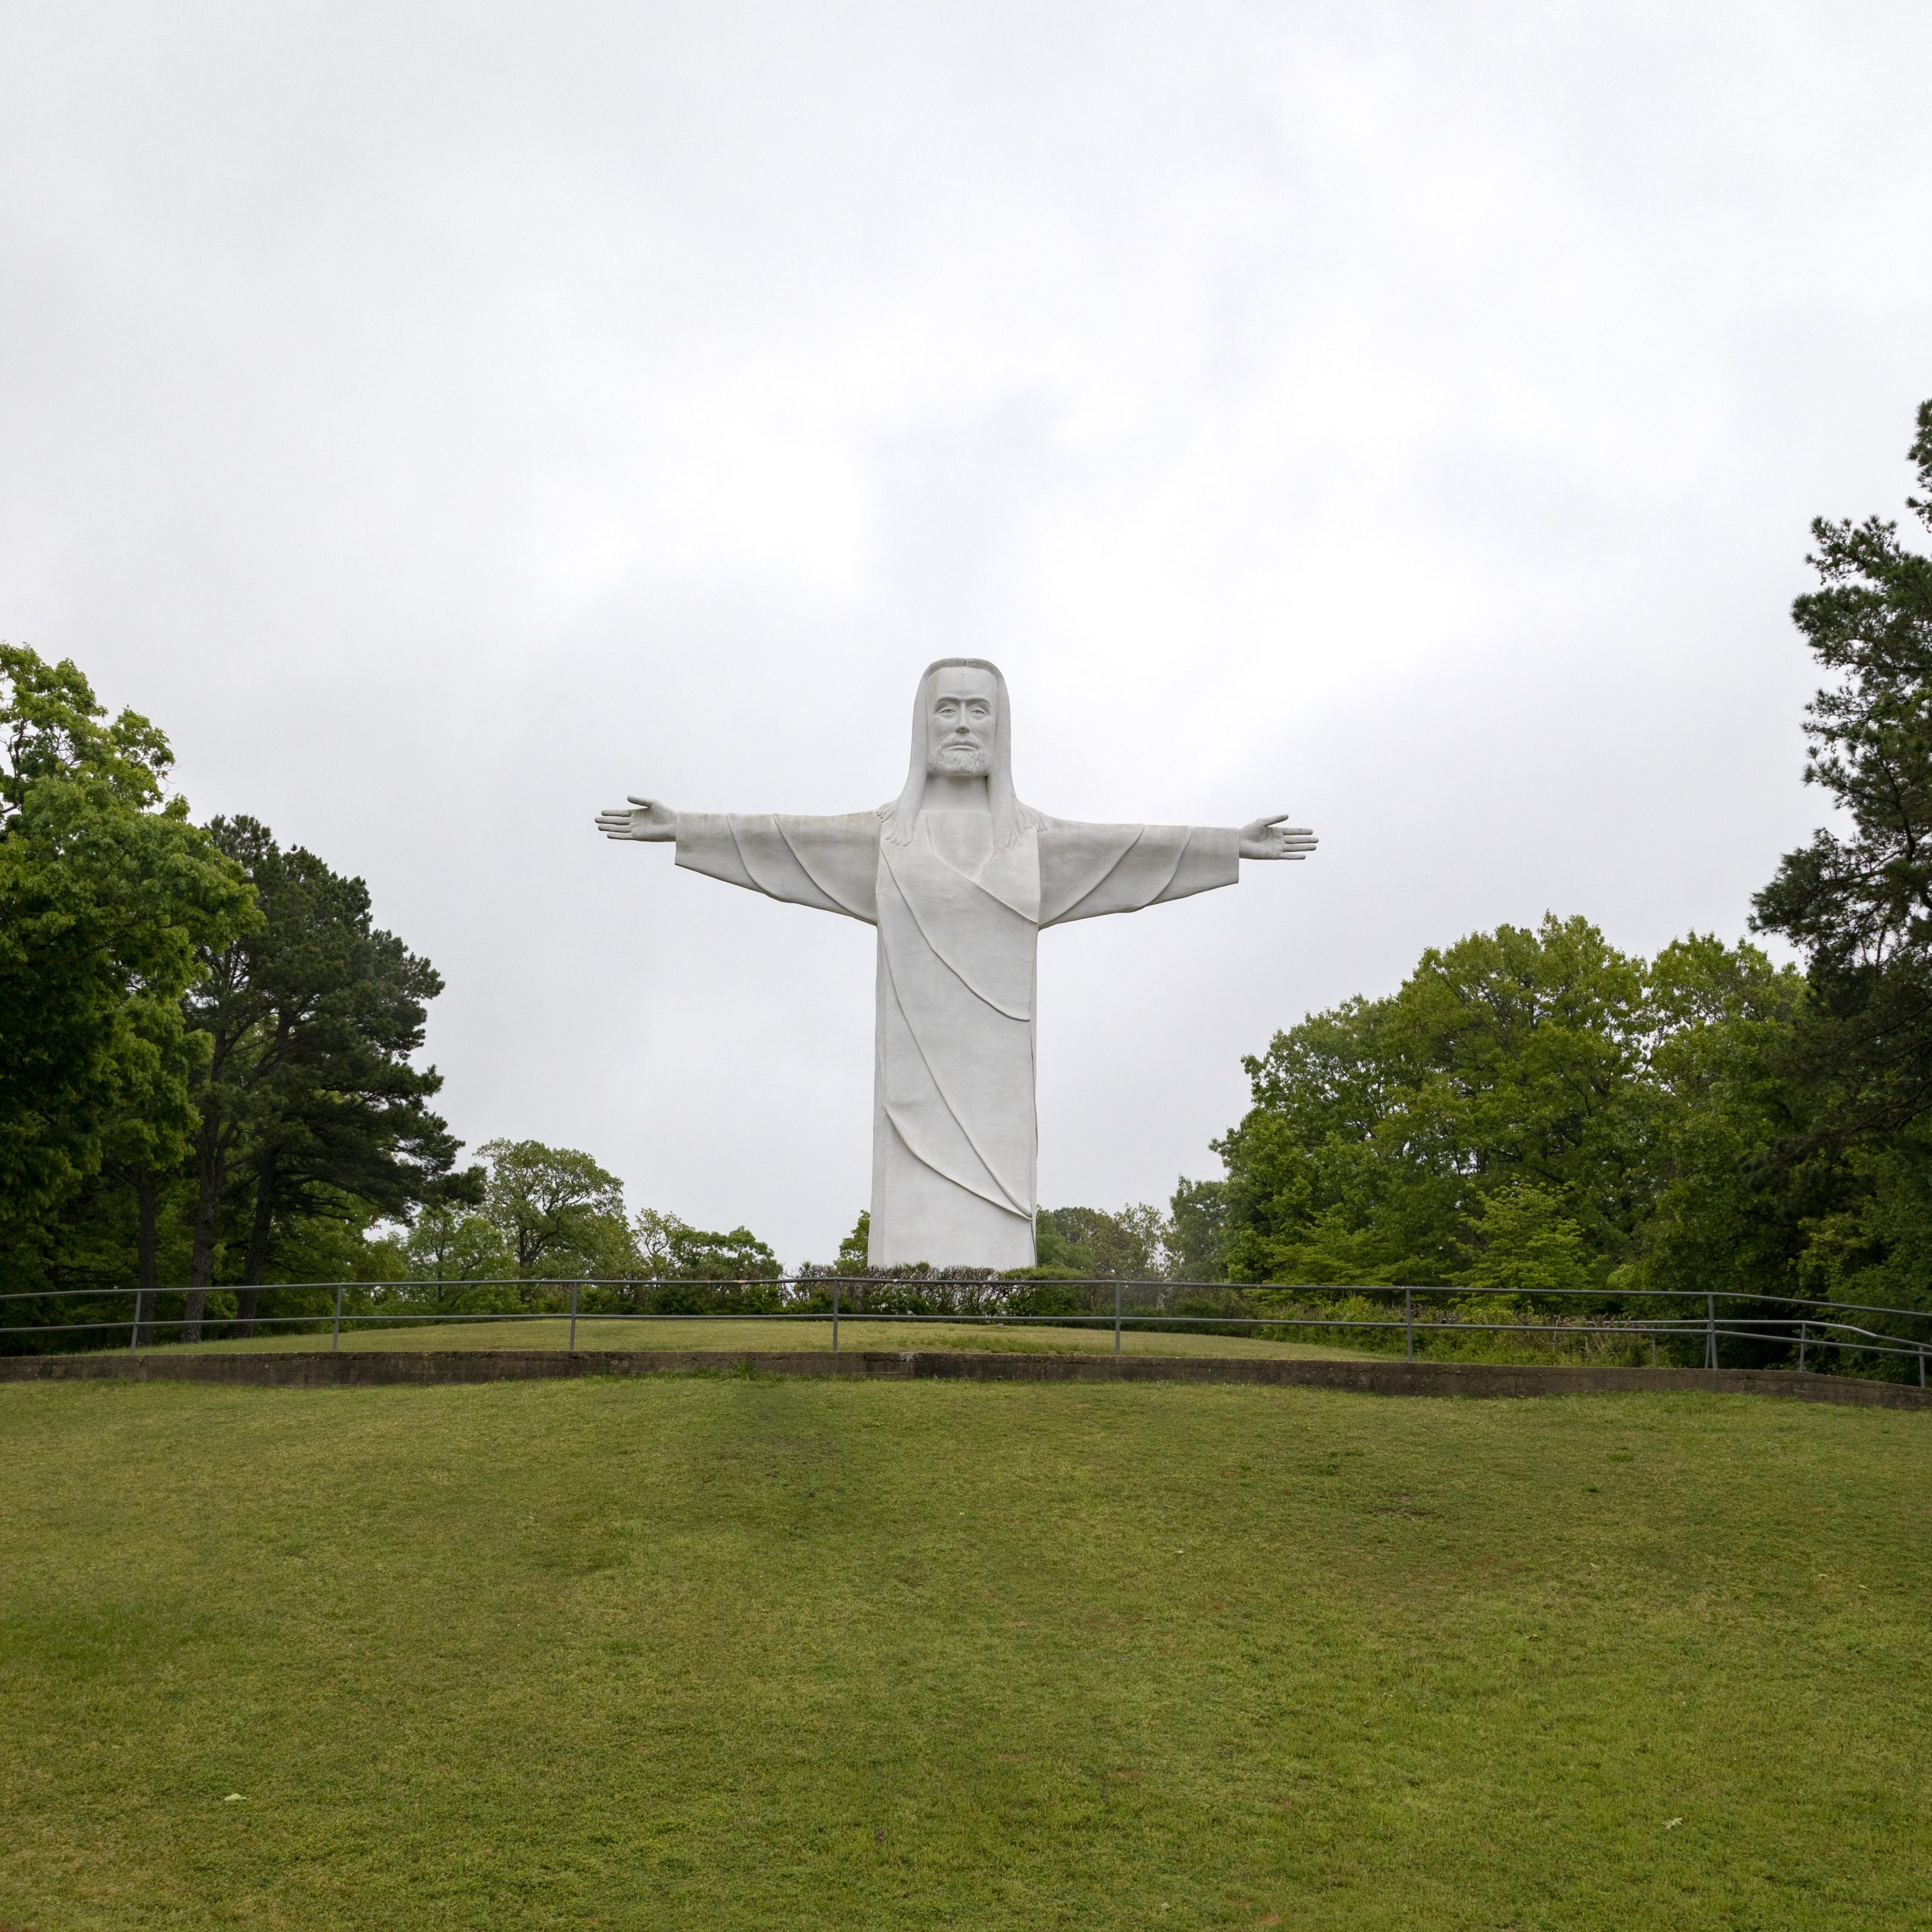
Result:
pixel 1116 1318
pixel 1804 1337
pixel 834 1314
pixel 1409 1322
pixel 573 1347
pixel 1921 1364
pixel 1711 1333
pixel 335 1334
pixel 134 1327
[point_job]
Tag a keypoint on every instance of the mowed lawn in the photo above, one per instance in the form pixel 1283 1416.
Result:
pixel 709 1651
pixel 752 1332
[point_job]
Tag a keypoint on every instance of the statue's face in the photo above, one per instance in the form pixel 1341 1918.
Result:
pixel 959 726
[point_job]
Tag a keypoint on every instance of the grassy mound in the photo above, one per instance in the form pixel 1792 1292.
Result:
pixel 750 1332
pixel 714 1652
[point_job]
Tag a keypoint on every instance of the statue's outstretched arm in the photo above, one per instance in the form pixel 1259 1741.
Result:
pixel 651 820
pixel 1260 838
pixel 830 863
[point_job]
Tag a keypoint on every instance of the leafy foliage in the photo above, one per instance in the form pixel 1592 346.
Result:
pixel 550 1214
pixel 207 1048
pixel 1860 906
pixel 1129 1245
pixel 1858 903
pixel 555 1211
pixel 1195 1239
pixel 311 1104
pixel 1516 1116
pixel 108 896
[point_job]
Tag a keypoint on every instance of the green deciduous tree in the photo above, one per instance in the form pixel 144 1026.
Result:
pixel 555 1211
pixel 109 899
pixel 677 1257
pixel 853 1255
pixel 1128 1243
pixel 1529 1111
pixel 1726 1209
pixel 1197 1230
pixel 453 1242
pixel 1505 1063
pixel 556 1214
pixel 669 1249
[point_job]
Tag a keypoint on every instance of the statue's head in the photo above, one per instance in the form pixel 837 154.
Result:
pixel 962 713
pixel 961 727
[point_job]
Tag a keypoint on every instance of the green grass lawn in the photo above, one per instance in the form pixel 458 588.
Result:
pixel 711 1651
pixel 749 1332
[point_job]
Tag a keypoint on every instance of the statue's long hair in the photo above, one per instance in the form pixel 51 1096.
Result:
pixel 1011 818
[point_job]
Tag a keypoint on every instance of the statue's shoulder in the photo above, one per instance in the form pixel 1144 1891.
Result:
pixel 1060 830
pixel 836 825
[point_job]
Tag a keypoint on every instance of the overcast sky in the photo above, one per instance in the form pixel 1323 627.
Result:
pixel 443 420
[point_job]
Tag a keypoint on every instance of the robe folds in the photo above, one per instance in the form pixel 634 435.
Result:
pixel 954 1130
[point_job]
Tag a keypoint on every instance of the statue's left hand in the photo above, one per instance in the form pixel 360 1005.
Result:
pixel 653 819
pixel 1269 838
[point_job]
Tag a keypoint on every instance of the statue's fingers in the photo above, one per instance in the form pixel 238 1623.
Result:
pixel 646 803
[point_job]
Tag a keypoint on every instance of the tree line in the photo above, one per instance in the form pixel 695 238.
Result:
pixel 209 1075
pixel 209 1071
pixel 1533 1109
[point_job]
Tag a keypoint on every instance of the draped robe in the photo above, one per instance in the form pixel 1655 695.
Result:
pixel 953 1130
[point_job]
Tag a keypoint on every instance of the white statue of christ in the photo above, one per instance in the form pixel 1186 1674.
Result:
pixel 959 877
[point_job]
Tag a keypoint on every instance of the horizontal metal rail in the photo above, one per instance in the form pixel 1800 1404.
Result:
pixel 416 1317
pixel 1741 1321
pixel 825 1282
pixel 1813 1331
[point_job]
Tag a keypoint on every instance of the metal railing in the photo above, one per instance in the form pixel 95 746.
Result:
pixel 1800 1324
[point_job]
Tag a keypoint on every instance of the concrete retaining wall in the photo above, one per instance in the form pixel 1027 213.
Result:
pixel 363 1368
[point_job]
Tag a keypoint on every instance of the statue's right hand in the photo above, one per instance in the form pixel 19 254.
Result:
pixel 647 819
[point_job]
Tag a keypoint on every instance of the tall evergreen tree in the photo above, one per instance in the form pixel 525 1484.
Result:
pixel 1859 907
pixel 310 1102
pixel 1858 904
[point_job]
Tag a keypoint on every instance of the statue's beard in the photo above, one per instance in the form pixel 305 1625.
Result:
pixel 961 761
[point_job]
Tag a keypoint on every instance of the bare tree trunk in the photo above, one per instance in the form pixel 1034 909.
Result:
pixel 147 1205
pixel 256 1265
pixel 210 1172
